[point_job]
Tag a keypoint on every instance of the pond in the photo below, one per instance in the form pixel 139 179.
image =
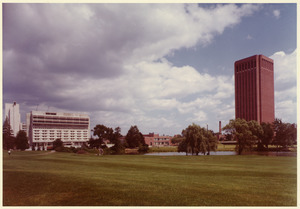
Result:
pixel 291 154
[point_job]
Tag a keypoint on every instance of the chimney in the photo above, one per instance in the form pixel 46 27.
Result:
pixel 220 127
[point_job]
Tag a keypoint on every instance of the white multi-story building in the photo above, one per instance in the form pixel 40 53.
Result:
pixel 12 113
pixel 45 127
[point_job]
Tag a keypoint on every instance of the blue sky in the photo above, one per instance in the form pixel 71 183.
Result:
pixel 158 66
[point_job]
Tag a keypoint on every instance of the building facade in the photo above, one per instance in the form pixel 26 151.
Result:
pixel 254 89
pixel 45 127
pixel 12 113
pixel 154 140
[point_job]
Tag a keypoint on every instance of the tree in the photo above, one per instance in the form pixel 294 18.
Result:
pixel 103 133
pixel 118 148
pixel 198 140
pixel 245 133
pixel 8 139
pixel 286 133
pixel 115 136
pixel 177 139
pixel 267 135
pixel 134 138
pixel 182 147
pixel 57 143
pixel 21 141
pixel 212 141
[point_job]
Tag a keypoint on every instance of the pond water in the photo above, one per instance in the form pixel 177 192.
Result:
pixel 292 154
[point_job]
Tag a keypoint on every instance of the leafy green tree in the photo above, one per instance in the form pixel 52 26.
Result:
pixel 212 141
pixel 8 139
pixel 134 138
pixel 286 133
pixel 245 133
pixel 177 139
pixel 182 147
pixel 267 135
pixel 118 147
pixel 114 138
pixel 21 141
pixel 143 148
pixel 198 140
pixel 103 133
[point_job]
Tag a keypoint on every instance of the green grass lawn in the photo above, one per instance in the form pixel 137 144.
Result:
pixel 66 179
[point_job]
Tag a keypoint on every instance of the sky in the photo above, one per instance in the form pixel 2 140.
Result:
pixel 161 67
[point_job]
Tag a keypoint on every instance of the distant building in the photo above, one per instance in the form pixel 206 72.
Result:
pixel 45 127
pixel 254 89
pixel 23 127
pixel 154 140
pixel 12 113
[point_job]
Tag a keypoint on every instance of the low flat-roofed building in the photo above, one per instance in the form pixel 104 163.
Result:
pixel 155 140
pixel 45 127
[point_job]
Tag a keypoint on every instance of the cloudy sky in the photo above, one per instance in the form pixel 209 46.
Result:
pixel 158 66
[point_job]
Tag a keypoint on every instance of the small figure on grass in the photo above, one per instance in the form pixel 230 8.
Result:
pixel 9 152
pixel 100 151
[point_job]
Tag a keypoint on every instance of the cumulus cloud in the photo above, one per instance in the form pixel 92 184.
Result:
pixel 108 60
pixel 276 13
pixel 285 77
pixel 249 37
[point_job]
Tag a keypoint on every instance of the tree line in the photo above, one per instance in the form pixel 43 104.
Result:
pixel 248 134
pixel 194 139
pixel 133 139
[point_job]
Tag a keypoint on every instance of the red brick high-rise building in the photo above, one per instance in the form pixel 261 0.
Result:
pixel 254 89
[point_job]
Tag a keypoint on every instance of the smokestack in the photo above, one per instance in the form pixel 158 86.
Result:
pixel 220 127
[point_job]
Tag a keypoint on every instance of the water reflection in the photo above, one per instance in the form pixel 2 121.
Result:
pixel 291 154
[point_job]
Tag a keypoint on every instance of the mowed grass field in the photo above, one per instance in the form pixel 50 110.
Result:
pixel 66 179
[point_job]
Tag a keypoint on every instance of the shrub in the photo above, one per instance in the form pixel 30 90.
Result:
pixel 63 149
pixel 81 151
pixel 143 148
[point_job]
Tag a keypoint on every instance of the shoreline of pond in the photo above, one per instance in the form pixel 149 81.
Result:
pixel 223 153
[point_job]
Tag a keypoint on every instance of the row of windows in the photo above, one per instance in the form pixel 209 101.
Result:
pixel 58 122
pixel 246 95
pixel 252 64
pixel 157 139
pixel 267 64
pixel 53 138
pixel 58 136
pixel 51 143
pixel 161 143
pixel 245 65
pixel 60 118
pixel 59 126
pixel 59 131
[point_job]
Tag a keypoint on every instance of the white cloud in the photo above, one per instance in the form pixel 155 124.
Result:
pixel 198 117
pixel 249 37
pixel 285 79
pixel 285 68
pixel 276 13
pixel 107 59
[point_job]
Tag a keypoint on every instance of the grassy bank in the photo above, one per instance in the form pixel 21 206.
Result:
pixel 163 149
pixel 58 179
pixel 220 147
pixel 227 147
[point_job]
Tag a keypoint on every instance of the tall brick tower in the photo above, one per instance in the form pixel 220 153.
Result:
pixel 254 89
